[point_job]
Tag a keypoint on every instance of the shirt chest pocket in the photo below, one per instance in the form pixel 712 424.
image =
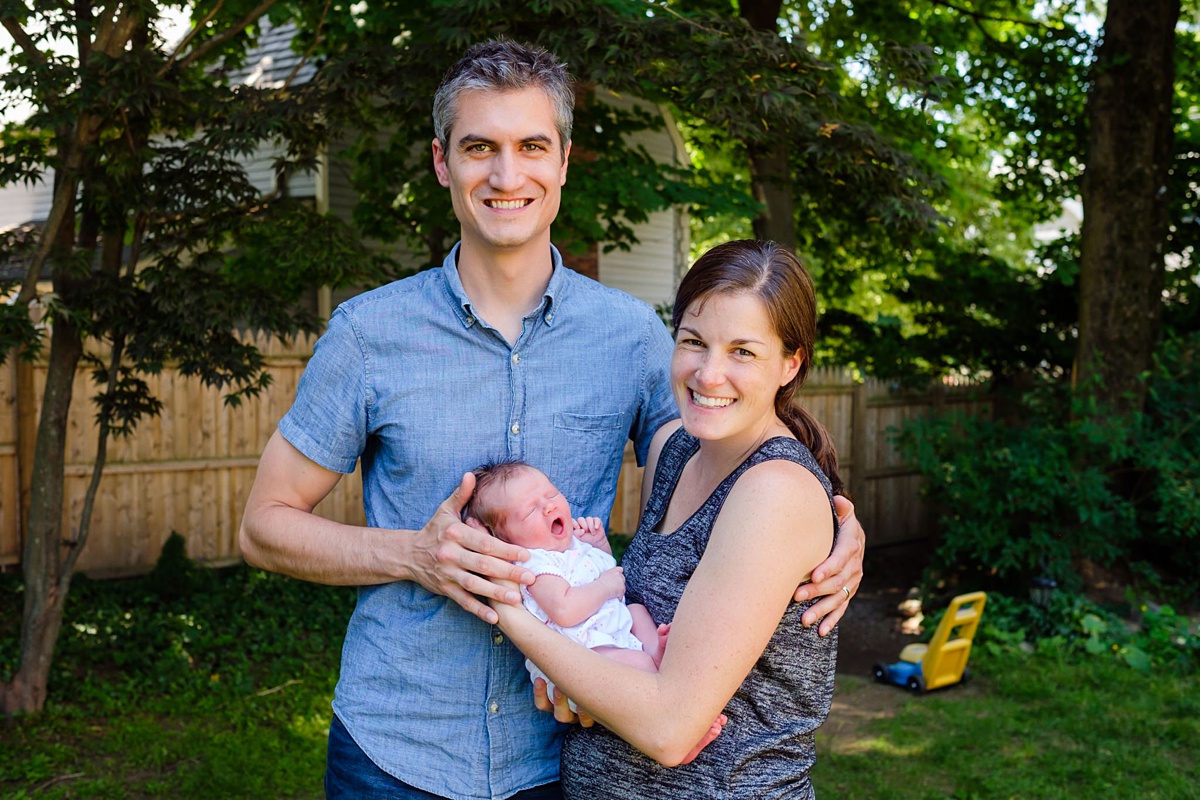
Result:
pixel 588 449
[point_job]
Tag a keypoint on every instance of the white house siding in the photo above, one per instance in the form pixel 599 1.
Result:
pixel 260 170
pixel 651 270
pixel 20 203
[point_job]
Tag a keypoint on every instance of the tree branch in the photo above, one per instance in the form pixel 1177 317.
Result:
pixel 24 40
pixel 190 35
pixel 981 17
pixel 117 34
pixel 89 497
pixel 316 40
pixel 227 34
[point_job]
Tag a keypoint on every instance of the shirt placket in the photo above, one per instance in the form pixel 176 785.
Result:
pixel 500 735
pixel 517 381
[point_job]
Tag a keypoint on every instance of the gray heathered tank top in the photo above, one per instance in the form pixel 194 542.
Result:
pixel 767 749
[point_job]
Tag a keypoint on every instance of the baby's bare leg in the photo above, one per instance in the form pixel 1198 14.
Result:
pixel 634 658
pixel 647 632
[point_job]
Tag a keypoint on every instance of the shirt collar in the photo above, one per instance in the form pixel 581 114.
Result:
pixel 462 304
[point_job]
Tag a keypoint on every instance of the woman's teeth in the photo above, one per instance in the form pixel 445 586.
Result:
pixel 711 402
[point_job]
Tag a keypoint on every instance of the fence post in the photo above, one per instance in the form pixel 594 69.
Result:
pixel 858 442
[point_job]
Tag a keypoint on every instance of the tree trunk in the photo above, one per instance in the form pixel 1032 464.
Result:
pixel 770 168
pixel 1125 201
pixel 45 584
pixel 771 180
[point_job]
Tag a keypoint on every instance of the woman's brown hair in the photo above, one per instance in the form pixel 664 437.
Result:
pixel 777 277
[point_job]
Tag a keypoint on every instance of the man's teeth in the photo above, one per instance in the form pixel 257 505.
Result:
pixel 507 205
pixel 711 402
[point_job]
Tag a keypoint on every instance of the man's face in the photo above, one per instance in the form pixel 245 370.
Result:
pixel 504 166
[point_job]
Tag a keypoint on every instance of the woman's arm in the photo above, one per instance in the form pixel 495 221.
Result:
pixel 756 555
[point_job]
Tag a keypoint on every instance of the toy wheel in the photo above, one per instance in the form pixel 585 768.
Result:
pixel 916 684
pixel 880 673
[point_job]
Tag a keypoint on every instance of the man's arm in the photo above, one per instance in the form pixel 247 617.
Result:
pixel 843 568
pixel 280 533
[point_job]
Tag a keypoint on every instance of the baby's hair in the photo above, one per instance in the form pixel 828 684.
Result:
pixel 491 473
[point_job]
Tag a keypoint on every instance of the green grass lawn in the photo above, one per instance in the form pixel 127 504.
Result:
pixel 1025 727
pixel 216 684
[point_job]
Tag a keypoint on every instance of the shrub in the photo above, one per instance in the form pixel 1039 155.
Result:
pixel 1015 498
pixel 1159 639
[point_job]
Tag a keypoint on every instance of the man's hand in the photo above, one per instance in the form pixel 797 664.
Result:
pixel 837 578
pixel 452 558
pixel 560 707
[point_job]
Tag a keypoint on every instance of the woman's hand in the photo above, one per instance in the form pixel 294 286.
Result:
pixel 560 705
pixel 837 578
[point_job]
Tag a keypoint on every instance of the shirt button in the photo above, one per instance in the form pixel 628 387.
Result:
pixel 516 427
pixel 494 707
pixel 498 638
pixel 516 358
pixel 550 317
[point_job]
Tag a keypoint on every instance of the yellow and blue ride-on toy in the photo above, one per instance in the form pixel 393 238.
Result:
pixel 942 662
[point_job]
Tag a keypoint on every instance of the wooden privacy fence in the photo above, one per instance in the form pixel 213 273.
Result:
pixel 190 469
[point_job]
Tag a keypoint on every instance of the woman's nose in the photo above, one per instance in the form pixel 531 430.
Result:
pixel 710 372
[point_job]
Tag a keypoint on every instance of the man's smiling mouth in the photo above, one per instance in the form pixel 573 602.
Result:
pixel 507 205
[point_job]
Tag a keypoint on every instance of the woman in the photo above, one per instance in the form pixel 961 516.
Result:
pixel 738 510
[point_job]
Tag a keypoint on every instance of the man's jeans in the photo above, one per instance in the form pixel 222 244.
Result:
pixel 350 775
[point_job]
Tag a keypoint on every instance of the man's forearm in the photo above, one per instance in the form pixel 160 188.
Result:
pixel 305 546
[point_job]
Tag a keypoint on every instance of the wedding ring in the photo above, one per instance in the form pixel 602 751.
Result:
pixel 847 591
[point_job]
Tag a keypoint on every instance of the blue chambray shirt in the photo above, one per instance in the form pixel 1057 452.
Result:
pixel 410 380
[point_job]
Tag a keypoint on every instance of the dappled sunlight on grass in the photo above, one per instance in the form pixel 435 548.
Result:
pixel 883 745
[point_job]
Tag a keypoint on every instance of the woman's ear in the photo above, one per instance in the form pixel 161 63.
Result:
pixel 792 366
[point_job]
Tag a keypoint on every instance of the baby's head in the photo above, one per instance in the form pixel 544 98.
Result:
pixel 519 505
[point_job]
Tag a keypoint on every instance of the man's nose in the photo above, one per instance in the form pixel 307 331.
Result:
pixel 506 175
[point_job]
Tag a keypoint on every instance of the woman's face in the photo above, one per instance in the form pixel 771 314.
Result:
pixel 727 367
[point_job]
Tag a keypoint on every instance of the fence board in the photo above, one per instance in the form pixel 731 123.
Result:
pixel 10 473
pixel 191 468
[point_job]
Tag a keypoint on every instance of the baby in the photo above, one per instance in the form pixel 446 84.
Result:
pixel 579 588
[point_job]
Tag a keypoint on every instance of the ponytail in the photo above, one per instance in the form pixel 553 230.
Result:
pixel 812 434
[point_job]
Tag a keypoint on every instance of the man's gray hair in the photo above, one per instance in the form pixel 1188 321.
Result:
pixel 503 65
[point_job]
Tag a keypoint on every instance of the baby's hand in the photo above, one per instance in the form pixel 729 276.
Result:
pixel 589 530
pixel 614 579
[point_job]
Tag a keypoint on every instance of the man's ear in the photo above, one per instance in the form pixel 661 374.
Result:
pixel 562 175
pixel 440 167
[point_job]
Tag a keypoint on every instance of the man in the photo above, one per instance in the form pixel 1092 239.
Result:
pixel 500 354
